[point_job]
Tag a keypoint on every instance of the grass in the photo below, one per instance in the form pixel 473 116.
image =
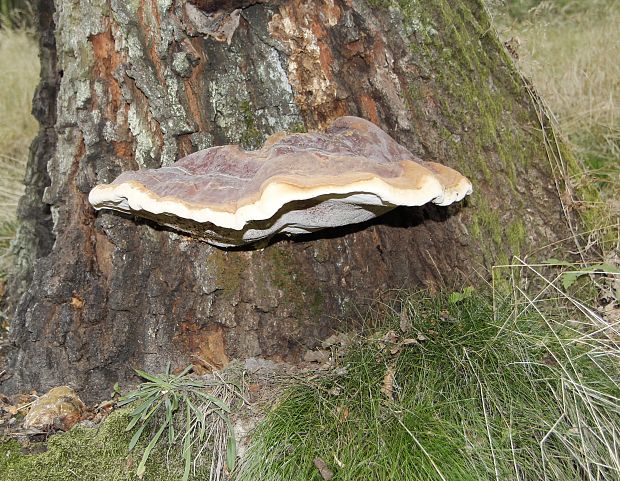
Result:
pixel 17 13
pixel 19 74
pixel 489 395
pixel 569 51
pixel 585 91
pixel 523 10
pixel 187 412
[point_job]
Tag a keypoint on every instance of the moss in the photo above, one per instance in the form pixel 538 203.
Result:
pixel 278 269
pixel 251 138
pixel 93 454
pixel 482 108
pixel 299 128
pixel 228 268
pixel 283 276
pixel 516 235
pixel 487 222
pixel 305 297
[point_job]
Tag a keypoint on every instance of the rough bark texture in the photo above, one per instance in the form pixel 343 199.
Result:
pixel 144 82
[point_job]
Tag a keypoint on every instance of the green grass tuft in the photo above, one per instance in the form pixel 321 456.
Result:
pixel 186 413
pixel 487 396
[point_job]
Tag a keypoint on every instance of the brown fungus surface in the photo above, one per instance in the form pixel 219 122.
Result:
pixel 295 184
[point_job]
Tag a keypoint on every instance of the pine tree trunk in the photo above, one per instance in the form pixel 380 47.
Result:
pixel 138 84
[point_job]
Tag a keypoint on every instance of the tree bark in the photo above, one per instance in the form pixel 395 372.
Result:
pixel 138 84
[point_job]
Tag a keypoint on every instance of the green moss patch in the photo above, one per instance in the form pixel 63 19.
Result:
pixel 93 454
pixel 465 82
pixel 298 288
pixel 251 138
pixel 228 268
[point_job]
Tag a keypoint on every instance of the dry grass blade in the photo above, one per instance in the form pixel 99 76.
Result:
pixel 590 411
pixel 387 387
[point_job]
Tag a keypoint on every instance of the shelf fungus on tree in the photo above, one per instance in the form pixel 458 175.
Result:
pixel 295 184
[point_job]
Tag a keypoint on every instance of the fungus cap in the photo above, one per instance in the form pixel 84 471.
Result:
pixel 296 183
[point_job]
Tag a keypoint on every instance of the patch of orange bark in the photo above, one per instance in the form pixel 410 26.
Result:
pixel 106 61
pixel 206 345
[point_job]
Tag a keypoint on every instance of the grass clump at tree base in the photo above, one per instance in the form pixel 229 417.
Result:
pixel 449 389
pixel 486 395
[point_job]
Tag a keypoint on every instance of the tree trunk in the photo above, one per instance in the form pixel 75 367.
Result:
pixel 138 84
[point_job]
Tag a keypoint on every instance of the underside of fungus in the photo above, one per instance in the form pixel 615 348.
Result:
pixel 295 184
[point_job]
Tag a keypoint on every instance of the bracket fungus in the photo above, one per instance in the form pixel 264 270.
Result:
pixel 295 184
